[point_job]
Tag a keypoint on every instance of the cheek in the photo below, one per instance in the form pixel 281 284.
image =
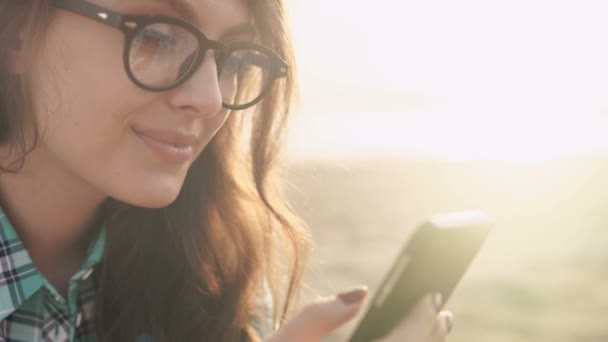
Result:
pixel 211 127
pixel 84 117
pixel 77 107
pixel 72 84
pixel 75 71
pixel 109 158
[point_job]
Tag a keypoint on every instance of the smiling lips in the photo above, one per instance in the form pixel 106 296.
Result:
pixel 171 147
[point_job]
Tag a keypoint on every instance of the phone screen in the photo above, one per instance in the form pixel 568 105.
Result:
pixel 433 260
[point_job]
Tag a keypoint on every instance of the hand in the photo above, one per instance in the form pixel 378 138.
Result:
pixel 423 324
pixel 325 315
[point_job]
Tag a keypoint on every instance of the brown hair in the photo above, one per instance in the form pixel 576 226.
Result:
pixel 191 270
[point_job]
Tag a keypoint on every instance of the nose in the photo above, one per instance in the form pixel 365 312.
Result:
pixel 200 95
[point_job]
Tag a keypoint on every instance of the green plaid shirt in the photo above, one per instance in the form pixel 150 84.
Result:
pixel 31 309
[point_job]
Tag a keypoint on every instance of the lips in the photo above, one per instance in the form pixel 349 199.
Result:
pixel 169 146
pixel 169 137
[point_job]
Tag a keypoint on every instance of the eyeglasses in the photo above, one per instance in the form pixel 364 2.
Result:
pixel 161 53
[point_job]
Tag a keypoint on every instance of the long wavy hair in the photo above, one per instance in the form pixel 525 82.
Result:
pixel 192 270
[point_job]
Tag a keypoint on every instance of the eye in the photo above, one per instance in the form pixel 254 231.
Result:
pixel 233 63
pixel 156 39
pixel 258 60
pixel 244 61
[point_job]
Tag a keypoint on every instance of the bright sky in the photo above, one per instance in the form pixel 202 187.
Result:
pixel 510 80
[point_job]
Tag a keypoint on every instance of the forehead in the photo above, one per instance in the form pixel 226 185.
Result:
pixel 211 16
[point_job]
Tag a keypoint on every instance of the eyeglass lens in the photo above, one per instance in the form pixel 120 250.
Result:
pixel 161 54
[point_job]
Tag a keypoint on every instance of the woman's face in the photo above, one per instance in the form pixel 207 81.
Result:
pixel 97 126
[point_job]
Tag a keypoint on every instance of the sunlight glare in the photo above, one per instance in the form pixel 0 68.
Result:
pixel 503 80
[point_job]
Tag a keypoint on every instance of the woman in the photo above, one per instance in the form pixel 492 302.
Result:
pixel 137 194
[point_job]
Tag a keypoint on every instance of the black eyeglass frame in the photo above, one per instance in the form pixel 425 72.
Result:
pixel 131 25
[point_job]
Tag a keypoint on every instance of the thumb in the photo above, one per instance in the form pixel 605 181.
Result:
pixel 322 316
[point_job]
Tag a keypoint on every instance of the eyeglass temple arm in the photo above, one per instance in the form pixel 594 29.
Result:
pixel 90 10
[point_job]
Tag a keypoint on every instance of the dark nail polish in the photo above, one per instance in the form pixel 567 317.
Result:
pixel 353 296
pixel 449 321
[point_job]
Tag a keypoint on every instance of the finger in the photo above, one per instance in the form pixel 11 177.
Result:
pixel 419 323
pixel 443 326
pixel 322 317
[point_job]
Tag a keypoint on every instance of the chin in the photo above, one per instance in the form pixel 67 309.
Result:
pixel 151 197
pixel 155 203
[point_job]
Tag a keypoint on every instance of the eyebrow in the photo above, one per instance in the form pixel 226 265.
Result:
pixel 188 11
pixel 244 29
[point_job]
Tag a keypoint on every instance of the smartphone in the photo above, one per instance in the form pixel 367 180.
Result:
pixel 433 260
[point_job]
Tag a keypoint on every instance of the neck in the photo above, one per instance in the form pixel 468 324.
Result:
pixel 53 212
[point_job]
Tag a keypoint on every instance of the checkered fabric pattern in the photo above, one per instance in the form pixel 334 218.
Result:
pixel 31 309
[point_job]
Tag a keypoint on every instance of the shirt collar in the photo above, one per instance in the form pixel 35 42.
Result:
pixel 19 277
pixel 95 252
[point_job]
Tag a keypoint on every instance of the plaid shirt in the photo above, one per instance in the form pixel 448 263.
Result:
pixel 31 309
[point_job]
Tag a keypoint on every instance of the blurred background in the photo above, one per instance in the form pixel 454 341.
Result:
pixel 413 107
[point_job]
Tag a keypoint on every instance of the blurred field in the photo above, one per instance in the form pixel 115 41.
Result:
pixel 542 274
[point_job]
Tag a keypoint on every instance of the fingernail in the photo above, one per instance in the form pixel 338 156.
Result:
pixel 353 296
pixel 437 301
pixel 448 320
